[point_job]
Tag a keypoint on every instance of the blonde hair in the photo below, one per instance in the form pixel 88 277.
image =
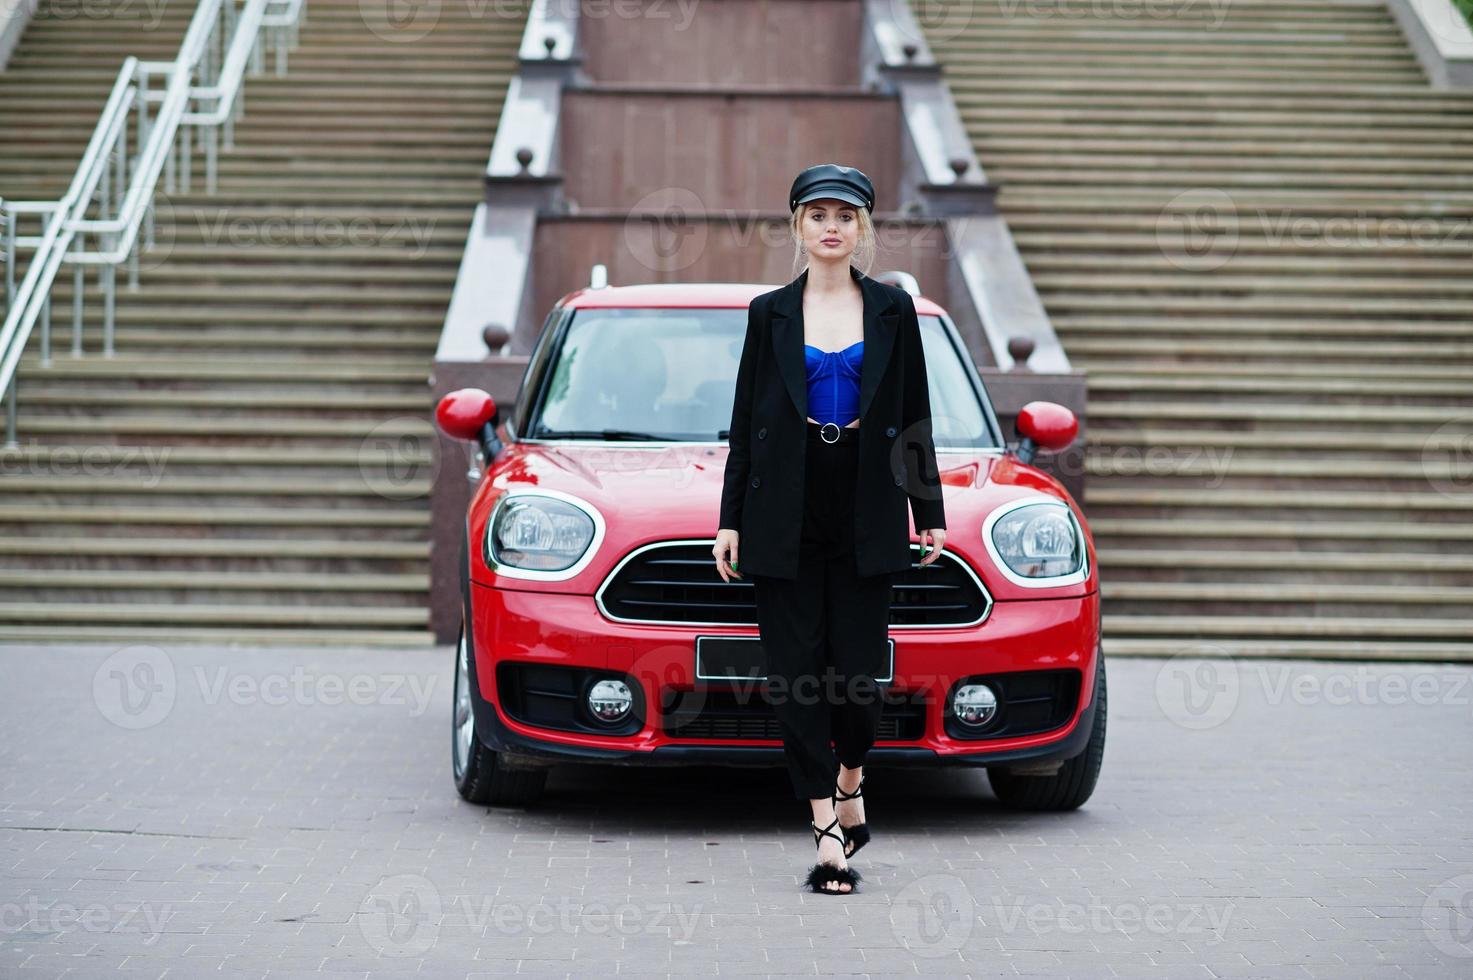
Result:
pixel 864 249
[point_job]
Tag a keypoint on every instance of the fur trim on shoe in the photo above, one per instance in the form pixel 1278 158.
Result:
pixel 822 873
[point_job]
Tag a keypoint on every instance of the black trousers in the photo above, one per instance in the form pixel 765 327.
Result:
pixel 825 634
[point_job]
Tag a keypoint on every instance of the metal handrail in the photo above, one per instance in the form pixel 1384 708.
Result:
pixel 201 91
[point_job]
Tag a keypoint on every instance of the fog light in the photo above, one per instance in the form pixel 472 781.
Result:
pixel 974 704
pixel 610 700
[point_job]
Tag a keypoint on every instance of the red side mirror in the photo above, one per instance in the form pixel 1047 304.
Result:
pixel 464 413
pixel 1049 424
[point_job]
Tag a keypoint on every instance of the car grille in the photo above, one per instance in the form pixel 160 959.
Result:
pixel 676 582
pixel 717 714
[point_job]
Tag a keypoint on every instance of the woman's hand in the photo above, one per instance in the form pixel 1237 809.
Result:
pixel 726 545
pixel 938 538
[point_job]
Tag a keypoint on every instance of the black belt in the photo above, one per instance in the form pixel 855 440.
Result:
pixel 832 432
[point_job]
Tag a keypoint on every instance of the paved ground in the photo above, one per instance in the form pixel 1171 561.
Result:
pixel 277 813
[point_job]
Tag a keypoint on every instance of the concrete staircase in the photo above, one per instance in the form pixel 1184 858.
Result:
pixel 254 463
pixel 1255 234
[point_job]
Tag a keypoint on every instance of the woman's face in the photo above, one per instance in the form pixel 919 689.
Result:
pixel 830 228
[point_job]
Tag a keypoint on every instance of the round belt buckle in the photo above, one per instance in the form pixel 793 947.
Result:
pixel 824 429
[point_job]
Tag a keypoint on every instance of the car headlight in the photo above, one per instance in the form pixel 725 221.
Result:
pixel 537 532
pixel 1036 543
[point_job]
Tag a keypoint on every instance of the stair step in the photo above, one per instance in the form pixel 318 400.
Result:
pixel 1295 389
pixel 273 614
pixel 240 487
pixel 1347 352
pixel 362 342
pixel 213 547
pixel 1337 649
pixel 195 580
pixel 1107 496
pixel 1376 562
pixel 132 366
pixel 1238 627
pixel 1163 531
pixel 1189 466
pixel 1298 414
pixel 334 430
pixel 276 516
pixel 1135 437
pixel 65 630
pixel 219 398
pixel 361 457
pixel 1260 593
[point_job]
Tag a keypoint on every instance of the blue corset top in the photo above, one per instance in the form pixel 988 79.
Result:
pixel 833 382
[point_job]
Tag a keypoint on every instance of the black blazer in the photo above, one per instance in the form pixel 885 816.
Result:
pixel 762 496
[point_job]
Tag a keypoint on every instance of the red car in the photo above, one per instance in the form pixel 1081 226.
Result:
pixel 596 626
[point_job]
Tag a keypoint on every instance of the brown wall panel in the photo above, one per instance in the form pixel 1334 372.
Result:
pixel 700 152
pixel 786 43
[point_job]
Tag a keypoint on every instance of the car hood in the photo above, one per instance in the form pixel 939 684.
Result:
pixel 680 483
pixel 649 493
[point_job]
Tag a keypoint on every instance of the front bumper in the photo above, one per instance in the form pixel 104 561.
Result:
pixel 568 631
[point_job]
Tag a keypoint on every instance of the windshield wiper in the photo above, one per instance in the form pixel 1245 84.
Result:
pixel 609 434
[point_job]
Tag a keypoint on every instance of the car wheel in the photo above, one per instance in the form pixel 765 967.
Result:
pixel 1074 781
pixel 479 775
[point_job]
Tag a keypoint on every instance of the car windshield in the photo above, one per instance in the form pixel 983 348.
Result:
pixel 670 374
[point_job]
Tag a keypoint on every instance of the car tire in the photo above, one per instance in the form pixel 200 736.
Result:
pixel 1073 783
pixel 479 775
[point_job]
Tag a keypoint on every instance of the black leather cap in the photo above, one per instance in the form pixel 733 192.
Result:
pixel 832 180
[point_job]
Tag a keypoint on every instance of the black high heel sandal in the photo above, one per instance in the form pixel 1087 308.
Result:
pixel 859 833
pixel 822 873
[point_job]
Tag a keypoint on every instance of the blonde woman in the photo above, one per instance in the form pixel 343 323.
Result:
pixel 830 413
